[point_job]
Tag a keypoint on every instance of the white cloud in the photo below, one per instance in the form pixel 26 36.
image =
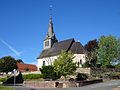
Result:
pixel 11 48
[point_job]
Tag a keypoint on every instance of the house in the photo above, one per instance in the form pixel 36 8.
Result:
pixel 52 48
pixel 26 67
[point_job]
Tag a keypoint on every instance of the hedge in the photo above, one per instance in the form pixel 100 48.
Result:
pixel 3 79
pixel 32 76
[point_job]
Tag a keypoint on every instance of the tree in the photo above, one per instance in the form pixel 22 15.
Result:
pixel 91 47
pixel 64 64
pixel 108 51
pixel 7 64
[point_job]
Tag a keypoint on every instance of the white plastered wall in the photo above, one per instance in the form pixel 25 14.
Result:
pixel 50 60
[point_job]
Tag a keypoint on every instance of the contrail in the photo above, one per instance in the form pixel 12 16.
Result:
pixel 11 48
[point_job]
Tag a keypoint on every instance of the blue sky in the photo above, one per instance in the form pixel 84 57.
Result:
pixel 24 23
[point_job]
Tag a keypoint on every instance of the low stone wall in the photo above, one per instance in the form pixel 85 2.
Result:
pixel 41 84
pixel 32 72
pixel 83 83
pixel 59 84
pixel 103 70
pixel 50 84
pixel 91 71
pixel 84 70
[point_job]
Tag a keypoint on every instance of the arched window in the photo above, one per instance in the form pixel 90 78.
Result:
pixel 80 61
pixel 47 43
pixel 78 64
pixel 43 63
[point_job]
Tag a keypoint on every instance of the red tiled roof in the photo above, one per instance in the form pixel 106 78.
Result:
pixel 23 67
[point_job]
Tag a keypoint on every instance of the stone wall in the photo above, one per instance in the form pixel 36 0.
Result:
pixel 50 84
pixel 84 70
pixel 59 84
pixel 41 84
pixel 103 70
pixel 91 71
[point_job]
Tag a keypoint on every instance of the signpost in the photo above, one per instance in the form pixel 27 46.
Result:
pixel 14 72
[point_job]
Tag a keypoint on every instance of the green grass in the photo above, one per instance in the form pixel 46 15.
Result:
pixel 6 88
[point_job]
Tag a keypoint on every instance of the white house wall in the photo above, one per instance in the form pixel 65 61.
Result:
pixel 79 57
pixel 50 60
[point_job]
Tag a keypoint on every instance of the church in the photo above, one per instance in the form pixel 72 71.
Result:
pixel 52 48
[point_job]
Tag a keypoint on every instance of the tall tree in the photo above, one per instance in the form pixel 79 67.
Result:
pixel 91 47
pixel 109 50
pixel 7 64
pixel 64 64
pixel 117 60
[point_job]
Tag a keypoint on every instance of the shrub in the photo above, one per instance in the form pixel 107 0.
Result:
pixel 48 72
pixel 32 76
pixel 117 66
pixel 3 79
pixel 18 79
pixel 81 77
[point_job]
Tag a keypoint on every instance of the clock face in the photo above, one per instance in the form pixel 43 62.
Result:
pixel 47 43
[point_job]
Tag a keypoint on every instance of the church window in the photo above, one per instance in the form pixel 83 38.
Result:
pixel 47 43
pixel 80 61
pixel 78 64
pixel 43 63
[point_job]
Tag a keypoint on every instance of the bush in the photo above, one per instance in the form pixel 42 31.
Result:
pixel 117 66
pixel 32 76
pixel 81 77
pixel 3 79
pixel 48 72
pixel 18 79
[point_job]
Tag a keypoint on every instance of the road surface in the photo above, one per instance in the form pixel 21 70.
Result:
pixel 108 85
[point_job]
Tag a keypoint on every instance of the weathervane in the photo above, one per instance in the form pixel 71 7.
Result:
pixel 50 8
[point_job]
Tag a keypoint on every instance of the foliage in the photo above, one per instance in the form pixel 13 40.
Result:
pixel 32 76
pixel 117 66
pixel 48 72
pixel 81 77
pixel 3 79
pixel 108 51
pixel 91 47
pixel 7 64
pixel 6 87
pixel 64 64
pixel 86 64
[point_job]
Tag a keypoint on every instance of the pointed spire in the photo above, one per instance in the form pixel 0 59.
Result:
pixel 50 28
pixel 50 33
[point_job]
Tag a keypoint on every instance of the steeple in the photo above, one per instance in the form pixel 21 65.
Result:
pixel 50 37
pixel 50 32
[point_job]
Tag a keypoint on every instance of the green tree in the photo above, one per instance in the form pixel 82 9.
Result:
pixel 91 47
pixel 64 64
pixel 7 64
pixel 108 50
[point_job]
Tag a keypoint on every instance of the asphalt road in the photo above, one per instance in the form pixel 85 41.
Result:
pixel 108 85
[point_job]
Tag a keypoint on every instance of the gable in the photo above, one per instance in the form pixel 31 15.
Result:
pixel 77 48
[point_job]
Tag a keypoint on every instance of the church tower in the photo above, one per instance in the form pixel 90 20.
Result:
pixel 50 37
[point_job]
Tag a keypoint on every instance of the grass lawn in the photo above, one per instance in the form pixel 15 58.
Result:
pixel 6 88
